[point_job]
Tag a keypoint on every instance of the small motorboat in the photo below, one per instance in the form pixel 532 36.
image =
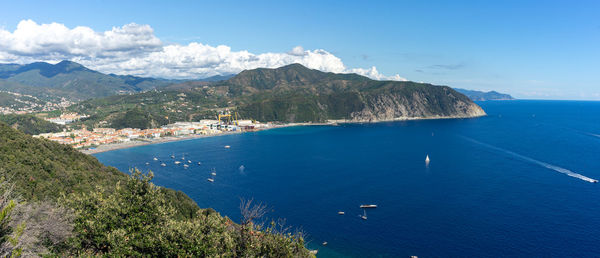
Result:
pixel 185 165
pixel 364 216
pixel 147 163
pixel 368 206
pixel 210 180
pixel 189 161
pixel 155 159
pixel 177 162
pixel 199 163
pixel 163 164
pixel 227 146
pixel 341 213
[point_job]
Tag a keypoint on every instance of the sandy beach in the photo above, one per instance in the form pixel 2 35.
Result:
pixel 142 142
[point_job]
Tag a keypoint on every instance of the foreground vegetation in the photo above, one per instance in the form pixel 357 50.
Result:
pixel 57 201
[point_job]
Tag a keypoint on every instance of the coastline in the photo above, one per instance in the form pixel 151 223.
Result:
pixel 131 144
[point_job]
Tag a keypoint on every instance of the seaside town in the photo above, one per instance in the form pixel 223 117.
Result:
pixel 90 139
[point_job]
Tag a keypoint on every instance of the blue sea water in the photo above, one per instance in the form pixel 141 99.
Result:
pixel 494 186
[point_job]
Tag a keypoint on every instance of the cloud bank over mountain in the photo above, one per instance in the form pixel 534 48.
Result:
pixel 134 49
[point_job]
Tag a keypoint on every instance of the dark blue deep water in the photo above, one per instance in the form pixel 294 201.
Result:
pixel 494 186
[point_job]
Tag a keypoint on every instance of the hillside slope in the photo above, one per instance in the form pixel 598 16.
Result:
pixel 42 169
pixel 295 93
pixel 71 80
pixel 30 124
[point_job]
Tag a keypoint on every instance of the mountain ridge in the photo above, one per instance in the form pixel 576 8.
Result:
pixel 71 80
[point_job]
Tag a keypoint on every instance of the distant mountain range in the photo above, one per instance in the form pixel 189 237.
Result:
pixel 483 96
pixel 292 93
pixel 74 81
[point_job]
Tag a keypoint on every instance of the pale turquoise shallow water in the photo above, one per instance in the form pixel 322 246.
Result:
pixel 487 192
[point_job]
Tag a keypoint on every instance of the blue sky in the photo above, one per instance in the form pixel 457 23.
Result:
pixel 531 49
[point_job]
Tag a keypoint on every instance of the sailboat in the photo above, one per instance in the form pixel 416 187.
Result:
pixel 364 216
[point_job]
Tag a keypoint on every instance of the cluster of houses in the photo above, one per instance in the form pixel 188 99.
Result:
pixel 29 104
pixel 84 138
pixel 67 118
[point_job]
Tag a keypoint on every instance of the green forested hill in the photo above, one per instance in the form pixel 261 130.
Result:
pixel 30 124
pixel 42 169
pixel 291 93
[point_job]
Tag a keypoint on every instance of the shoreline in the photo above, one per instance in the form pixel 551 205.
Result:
pixel 131 144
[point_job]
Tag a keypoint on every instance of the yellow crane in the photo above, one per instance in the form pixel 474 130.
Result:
pixel 229 118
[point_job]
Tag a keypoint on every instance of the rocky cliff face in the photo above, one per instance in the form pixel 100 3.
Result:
pixel 416 106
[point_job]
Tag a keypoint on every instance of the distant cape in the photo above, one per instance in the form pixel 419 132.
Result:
pixel 483 96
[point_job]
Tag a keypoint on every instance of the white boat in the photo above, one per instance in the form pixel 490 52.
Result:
pixel 210 180
pixel 199 163
pixel 163 164
pixel 177 162
pixel 427 159
pixel 363 206
pixel 155 158
pixel 185 165
pixel 213 172
pixel 147 163
pixel 172 156
pixel 341 213
pixel 227 146
pixel 364 216
pixel 189 161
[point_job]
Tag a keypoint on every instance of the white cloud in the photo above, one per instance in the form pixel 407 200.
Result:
pixel 374 74
pixel 134 49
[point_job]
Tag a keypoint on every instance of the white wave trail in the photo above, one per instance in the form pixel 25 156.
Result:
pixel 534 161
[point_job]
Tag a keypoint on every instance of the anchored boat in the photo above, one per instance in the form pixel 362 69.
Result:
pixel 368 206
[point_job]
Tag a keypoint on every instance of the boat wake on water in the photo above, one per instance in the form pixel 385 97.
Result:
pixel 534 161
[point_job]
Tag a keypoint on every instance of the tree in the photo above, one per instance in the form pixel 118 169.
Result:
pixel 9 236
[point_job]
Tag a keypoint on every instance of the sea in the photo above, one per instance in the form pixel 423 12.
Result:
pixel 517 182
